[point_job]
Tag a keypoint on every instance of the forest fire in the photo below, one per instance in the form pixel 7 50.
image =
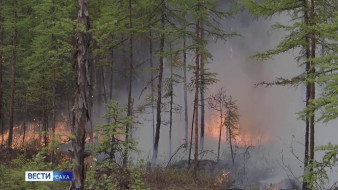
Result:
pixel 31 134
pixel 241 138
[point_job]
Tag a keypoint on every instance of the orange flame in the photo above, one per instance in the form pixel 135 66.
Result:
pixel 243 138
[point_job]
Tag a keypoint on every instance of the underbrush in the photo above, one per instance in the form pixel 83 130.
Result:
pixel 106 175
pixel 12 173
pixel 181 179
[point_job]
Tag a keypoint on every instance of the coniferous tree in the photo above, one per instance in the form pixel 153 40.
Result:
pixel 231 123
pixel 302 34
pixel 14 59
pixel 80 109
pixel 218 102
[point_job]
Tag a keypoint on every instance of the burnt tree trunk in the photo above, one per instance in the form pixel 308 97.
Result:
pixel 220 131
pixel 80 108
pixel 152 82
pixel 308 86
pixel 231 148
pixel 159 92
pixel 130 78
pixel 202 62
pixel 197 76
pixel 191 134
pixel 2 61
pixel 11 102
pixel 185 90
pixel 24 124
pixel 171 105
pixel 312 88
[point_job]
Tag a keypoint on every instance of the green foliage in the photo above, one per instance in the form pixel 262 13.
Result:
pixel 322 29
pixel 320 177
pixel 112 133
pixel 12 176
pixel 108 174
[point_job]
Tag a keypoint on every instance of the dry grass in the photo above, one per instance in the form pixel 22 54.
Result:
pixel 181 179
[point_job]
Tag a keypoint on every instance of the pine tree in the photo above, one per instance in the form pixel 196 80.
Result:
pixel 231 123
pixel 302 34
pixel 80 109
pixel 14 59
pixel 218 102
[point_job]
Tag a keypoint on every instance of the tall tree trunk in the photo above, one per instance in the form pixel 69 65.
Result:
pixel 80 108
pixel 191 134
pixel 220 132
pixel 197 76
pixel 111 80
pixel 171 106
pixel 152 82
pixel 312 88
pixel 24 124
pixel 130 78
pixel 229 126
pixel 159 91
pixel 202 62
pixel 44 122
pixel 11 103
pixel 105 96
pixel 53 115
pixel 2 61
pixel 308 86
pixel 186 116
pixel 231 148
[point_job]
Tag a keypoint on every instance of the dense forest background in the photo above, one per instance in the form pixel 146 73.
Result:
pixel 169 94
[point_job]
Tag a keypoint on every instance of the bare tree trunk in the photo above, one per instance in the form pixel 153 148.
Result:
pixel 220 132
pixel 44 123
pixel 197 76
pixel 312 89
pixel 53 116
pixel 229 127
pixel 105 96
pixel 80 108
pixel 308 86
pixel 24 124
pixel 191 134
pixel 111 76
pixel 159 93
pixel 171 105
pixel 152 82
pixel 202 62
pixel 105 99
pixel 185 90
pixel 129 111
pixel 2 62
pixel 11 103
pixel 231 149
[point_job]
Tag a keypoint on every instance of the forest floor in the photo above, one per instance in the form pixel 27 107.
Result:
pixel 14 163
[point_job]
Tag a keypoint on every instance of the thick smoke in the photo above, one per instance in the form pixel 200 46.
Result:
pixel 269 113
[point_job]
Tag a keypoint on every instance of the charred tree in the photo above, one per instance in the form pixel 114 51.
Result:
pixel 185 90
pixel 191 134
pixel 2 61
pixel 11 102
pixel 218 103
pixel 171 93
pixel 202 62
pixel 197 88
pixel 80 108
pixel 152 82
pixel 308 90
pixel 312 88
pixel 130 78
pixel 231 123
pixel 159 89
